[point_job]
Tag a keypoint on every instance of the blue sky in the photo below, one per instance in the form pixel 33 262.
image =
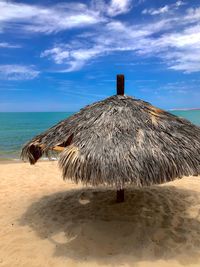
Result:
pixel 62 55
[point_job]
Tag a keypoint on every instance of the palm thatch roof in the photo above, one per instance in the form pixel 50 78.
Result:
pixel 119 141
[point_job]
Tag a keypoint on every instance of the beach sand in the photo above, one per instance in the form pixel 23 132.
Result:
pixel 45 221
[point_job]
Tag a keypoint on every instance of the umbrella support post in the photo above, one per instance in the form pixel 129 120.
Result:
pixel 120 196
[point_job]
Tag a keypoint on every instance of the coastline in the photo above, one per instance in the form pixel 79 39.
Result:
pixel 18 128
pixel 18 160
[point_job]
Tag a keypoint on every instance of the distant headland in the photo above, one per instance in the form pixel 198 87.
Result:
pixel 183 109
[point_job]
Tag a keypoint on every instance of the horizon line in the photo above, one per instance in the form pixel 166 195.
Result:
pixel 70 111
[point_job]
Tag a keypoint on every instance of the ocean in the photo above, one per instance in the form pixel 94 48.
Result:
pixel 19 127
pixel 16 128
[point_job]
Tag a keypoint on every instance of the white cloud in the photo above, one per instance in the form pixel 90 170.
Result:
pixel 117 7
pixel 174 39
pixel 164 9
pixel 186 60
pixel 116 36
pixel 7 45
pixel 57 53
pixel 181 51
pixel 17 72
pixel 180 3
pixel 113 7
pixel 158 11
pixel 193 14
pixel 58 17
pixel 35 18
pixel 186 66
pixel 74 59
pixel 178 47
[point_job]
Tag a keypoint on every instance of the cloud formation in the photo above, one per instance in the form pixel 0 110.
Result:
pixel 179 50
pixel 59 17
pixel 174 38
pixel 163 9
pixel 35 18
pixel 17 72
pixel 117 7
pixel 113 7
pixel 8 45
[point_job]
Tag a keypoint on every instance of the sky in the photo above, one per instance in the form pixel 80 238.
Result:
pixel 63 55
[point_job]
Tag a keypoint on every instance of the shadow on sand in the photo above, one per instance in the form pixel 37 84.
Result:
pixel 153 223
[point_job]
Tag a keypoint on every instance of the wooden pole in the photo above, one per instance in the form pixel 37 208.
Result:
pixel 120 91
pixel 120 195
pixel 120 84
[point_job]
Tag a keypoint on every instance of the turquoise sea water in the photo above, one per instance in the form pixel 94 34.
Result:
pixel 17 128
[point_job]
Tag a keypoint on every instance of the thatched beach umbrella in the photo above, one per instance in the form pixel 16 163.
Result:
pixel 121 141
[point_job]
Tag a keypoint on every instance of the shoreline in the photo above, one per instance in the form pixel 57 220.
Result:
pixel 11 146
pixel 10 161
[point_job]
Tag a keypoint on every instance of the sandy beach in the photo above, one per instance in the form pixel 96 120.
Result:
pixel 45 221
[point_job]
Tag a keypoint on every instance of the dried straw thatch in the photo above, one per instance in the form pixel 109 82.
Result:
pixel 119 141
